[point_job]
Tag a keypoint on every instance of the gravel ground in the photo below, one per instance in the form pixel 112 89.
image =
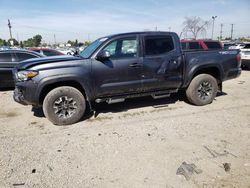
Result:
pixel 139 143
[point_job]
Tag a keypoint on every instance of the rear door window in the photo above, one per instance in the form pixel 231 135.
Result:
pixel 157 45
pixel 24 56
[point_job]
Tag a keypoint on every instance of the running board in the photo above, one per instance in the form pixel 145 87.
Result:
pixel 121 98
pixel 155 96
pixel 112 101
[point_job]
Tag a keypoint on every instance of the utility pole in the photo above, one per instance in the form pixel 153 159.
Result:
pixel 156 28
pixel 17 37
pixel 232 31
pixel 55 39
pixel 221 30
pixel 169 28
pixel 213 17
pixel 9 25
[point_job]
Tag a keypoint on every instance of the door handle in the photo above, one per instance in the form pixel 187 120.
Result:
pixel 135 65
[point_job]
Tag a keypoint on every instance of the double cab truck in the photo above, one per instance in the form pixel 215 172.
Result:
pixel 122 66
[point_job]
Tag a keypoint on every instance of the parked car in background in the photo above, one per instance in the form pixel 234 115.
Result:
pixel 8 60
pixel 67 51
pixel 227 45
pixel 245 56
pixel 237 46
pixel 201 45
pixel 46 51
pixel 4 47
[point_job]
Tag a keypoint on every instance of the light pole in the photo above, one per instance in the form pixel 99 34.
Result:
pixel 213 17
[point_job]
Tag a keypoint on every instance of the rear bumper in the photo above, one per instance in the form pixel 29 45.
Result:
pixel 233 73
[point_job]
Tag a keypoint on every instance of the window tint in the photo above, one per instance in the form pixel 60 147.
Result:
pixel 5 57
pixel 50 53
pixel 213 45
pixel 111 48
pixel 158 45
pixel 194 45
pixel 24 56
pixel 247 46
pixel 122 48
pixel 184 45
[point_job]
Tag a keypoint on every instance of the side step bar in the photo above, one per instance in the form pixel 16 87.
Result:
pixel 155 95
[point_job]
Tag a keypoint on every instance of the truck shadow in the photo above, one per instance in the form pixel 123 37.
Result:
pixel 7 89
pixel 134 103
pixel 129 104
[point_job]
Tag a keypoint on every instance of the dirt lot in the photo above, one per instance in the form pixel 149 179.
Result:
pixel 140 143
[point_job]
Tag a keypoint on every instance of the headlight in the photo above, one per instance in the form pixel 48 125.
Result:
pixel 26 75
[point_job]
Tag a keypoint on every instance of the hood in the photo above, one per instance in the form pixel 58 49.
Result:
pixel 52 59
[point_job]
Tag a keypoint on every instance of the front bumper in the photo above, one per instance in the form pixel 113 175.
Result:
pixel 25 93
pixel 19 97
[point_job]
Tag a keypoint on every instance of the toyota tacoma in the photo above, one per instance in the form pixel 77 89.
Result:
pixel 122 66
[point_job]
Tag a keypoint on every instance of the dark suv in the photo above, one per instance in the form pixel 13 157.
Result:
pixel 8 60
pixel 46 51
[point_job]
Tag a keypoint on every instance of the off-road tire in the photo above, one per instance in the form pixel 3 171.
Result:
pixel 194 91
pixel 55 99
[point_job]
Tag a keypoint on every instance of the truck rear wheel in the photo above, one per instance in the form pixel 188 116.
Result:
pixel 64 105
pixel 202 90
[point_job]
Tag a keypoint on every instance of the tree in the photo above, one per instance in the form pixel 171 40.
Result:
pixel 28 43
pixel 1 42
pixel 195 25
pixel 76 43
pixel 14 43
pixel 87 43
pixel 37 40
pixel 33 42
pixel 21 44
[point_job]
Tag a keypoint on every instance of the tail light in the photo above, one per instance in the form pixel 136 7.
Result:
pixel 238 58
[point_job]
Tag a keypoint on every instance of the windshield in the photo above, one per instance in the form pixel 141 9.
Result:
pixel 87 52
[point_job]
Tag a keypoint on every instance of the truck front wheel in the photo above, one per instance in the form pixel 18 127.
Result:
pixel 64 105
pixel 202 90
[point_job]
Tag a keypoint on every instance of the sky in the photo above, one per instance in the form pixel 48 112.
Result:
pixel 91 19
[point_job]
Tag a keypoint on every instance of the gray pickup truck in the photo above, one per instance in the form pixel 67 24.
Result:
pixel 122 66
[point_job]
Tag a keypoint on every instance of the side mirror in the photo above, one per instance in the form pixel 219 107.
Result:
pixel 103 55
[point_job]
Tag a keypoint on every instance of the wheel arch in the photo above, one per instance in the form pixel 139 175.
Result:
pixel 214 71
pixel 71 83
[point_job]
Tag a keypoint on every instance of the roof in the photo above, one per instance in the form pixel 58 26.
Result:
pixel 141 33
pixel 199 40
pixel 20 50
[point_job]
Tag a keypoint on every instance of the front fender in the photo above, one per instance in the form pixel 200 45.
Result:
pixel 51 80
